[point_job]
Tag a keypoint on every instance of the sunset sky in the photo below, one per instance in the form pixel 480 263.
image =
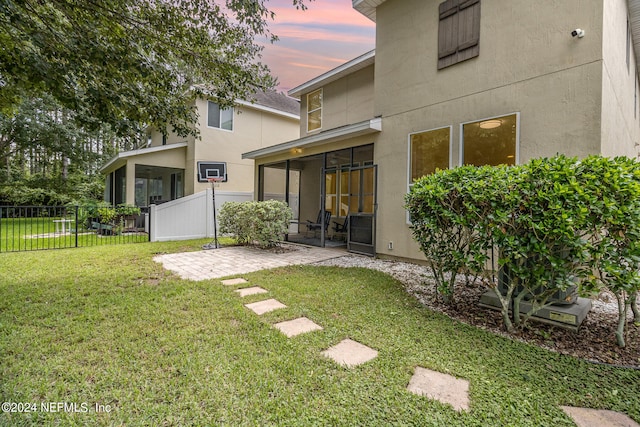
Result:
pixel 327 34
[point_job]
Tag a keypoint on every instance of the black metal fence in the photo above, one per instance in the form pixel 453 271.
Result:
pixel 29 228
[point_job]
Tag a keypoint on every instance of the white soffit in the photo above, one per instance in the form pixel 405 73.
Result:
pixel 147 150
pixel 634 20
pixel 367 7
pixel 349 131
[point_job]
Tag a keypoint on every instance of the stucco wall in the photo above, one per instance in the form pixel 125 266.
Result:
pixel 346 101
pixel 620 117
pixel 519 40
pixel 528 64
pixel 252 129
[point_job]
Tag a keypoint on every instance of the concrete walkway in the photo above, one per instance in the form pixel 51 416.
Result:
pixel 238 260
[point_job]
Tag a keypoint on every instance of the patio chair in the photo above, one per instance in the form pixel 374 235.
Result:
pixel 317 226
pixel 340 230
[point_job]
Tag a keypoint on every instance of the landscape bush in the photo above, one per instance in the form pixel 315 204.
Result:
pixel 552 224
pixel 260 223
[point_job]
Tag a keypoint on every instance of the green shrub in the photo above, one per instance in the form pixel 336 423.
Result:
pixel 261 223
pixel 107 214
pixel 540 239
pixel 612 190
pixel 553 223
pixel 125 209
pixel 445 224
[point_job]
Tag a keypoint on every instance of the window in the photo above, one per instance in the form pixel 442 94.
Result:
pixel 219 118
pixel 491 141
pixel 428 152
pixel 458 31
pixel 314 110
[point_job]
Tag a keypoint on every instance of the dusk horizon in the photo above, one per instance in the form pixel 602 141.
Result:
pixel 314 41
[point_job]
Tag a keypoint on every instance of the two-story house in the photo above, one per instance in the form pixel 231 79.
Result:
pixel 169 167
pixel 450 83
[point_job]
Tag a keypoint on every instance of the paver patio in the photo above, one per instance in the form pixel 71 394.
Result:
pixel 238 260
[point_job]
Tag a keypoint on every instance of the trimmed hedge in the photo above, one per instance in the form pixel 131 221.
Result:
pixel 261 223
pixel 551 223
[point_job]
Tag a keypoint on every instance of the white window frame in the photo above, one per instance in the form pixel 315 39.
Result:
pixel 517 114
pixel 409 181
pixel 220 110
pixel 321 108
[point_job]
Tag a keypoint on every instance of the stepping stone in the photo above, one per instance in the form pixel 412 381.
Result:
pixel 442 387
pixel 265 306
pixel 350 353
pixel 231 282
pixel 585 417
pixel 298 326
pixel 251 291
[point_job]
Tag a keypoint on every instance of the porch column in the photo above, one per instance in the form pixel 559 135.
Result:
pixel 130 184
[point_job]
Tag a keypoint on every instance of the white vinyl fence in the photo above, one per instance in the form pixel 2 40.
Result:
pixel 189 217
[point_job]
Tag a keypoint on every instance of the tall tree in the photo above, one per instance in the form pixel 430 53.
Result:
pixel 48 158
pixel 125 62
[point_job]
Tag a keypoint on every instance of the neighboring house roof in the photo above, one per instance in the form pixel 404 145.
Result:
pixel 276 100
pixel 119 159
pixel 347 68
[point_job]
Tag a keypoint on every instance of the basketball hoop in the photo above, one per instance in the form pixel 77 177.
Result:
pixel 215 181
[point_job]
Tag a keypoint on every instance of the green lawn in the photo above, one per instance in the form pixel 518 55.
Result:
pixel 108 326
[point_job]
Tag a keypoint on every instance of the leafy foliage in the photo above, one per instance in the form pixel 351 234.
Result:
pixel 614 218
pixel 262 223
pixel 48 159
pixel 125 62
pixel 554 223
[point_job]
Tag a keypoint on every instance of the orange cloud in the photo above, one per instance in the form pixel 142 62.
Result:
pixel 311 42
